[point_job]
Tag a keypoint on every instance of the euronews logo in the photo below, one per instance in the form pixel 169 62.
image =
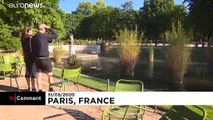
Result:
pixel 26 5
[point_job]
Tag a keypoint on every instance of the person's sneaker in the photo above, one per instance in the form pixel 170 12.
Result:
pixel 51 89
pixel 33 90
pixel 28 89
pixel 40 91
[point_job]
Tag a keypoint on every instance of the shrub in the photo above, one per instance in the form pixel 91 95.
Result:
pixel 128 49
pixel 73 62
pixel 7 41
pixel 177 54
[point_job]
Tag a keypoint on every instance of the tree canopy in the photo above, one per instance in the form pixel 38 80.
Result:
pixel 15 15
pixel 99 21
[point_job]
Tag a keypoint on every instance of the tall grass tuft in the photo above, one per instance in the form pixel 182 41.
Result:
pixel 128 49
pixel 58 52
pixel 177 54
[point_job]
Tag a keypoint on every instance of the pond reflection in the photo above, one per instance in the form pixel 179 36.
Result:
pixel 153 75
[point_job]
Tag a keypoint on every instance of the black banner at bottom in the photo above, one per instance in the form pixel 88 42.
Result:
pixel 22 98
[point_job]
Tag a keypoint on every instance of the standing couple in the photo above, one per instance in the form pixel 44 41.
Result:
pixel 36 54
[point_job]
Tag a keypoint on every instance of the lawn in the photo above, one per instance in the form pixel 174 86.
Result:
pixel 89 81
pixel 208 108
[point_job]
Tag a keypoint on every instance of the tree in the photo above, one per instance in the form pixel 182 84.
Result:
pixel 7 41
pixel 106 20
pixel 200 18
pixel 155 18
pixel 127 16
pixel 85 9
pixel 127 6
pixel 178 14
pixel 76 22
pixel 18 14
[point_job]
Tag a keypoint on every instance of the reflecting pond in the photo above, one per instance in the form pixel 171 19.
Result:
pixel 153 75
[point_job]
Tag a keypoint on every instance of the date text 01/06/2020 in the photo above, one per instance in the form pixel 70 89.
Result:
pixel 68 98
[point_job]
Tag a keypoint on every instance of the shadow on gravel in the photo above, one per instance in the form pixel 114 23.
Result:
pixel 78 115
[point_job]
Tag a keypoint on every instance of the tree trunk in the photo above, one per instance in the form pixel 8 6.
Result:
pixel 209 39
pixel 203 42
pixel 156 42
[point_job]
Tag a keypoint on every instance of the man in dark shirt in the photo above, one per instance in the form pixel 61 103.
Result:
pixel 28 58
pixel 41 52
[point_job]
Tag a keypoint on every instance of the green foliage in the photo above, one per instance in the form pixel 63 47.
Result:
pixel 71 23
pixel 17 18
pixel 155 17
pixel 178 14
pixel 128 49
pixel 200 17
pixel 1 60
pixel 7 41
pixel 85 9
pixel 177 54
pixel 208 108
pixel 97 20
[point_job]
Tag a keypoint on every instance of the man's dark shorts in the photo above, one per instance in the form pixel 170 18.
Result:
pixel 30 70
pixel 43 65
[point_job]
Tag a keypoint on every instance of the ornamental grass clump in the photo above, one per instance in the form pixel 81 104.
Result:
pixel 128 50
pixel 58 52
pixel 177 53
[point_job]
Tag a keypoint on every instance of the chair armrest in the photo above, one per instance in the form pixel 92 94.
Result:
pixel 101 108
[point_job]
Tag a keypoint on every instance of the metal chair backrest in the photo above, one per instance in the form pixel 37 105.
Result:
pixel 7 68
pixel 10 62
pixel 129 86
pixel 185 112
pixel 71 74
pixel 9 58
pixel 123 85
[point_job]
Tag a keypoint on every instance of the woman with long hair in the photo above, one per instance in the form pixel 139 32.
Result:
pixel 30 75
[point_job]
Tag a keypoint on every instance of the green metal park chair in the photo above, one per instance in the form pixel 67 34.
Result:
pixel 68 77
pixel 185 113
pixel 9 68
pixel 9 58
pixel 20 64
pixel 125 111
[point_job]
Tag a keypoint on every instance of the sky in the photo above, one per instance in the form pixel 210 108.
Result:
pixel 70 5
